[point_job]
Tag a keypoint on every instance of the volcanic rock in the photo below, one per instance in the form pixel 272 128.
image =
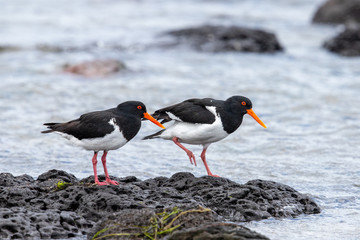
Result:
pixel 217 231
pixel 57 205
pixel 347 43
pixel 8 48
pixel 225 39
pixel 338 12
pixel 175 224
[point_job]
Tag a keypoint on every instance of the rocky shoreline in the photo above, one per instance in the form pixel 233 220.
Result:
pixel 341 12
pixel 208 38
pixel 58 205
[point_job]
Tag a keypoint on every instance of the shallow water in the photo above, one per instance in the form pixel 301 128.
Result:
pixel 308 98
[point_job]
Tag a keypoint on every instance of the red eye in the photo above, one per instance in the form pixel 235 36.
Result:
pixel 139 107
pixel 243 103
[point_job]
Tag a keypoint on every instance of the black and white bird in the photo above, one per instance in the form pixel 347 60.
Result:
pixel 104 130
pixel 202 122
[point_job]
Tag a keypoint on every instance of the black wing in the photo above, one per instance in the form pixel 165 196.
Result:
pixel 89 125
pixel 191 111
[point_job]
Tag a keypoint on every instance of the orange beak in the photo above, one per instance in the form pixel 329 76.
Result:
pixel 149 117
pixel 251 113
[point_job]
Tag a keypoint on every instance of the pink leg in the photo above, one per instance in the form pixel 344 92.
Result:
pixel 94 162
pixel 203 158
pixel 108 180
pixel 189 153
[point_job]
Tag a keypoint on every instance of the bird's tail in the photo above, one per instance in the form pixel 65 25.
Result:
pixel 51 126
pixel 155 135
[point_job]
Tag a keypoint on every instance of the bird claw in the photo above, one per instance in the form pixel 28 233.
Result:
pixel 214 175
pixel 101 183
pixel 192 158
pixel 112 182
pixel 108 182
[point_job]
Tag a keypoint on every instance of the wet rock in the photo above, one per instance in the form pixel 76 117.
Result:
pixel 136 223
pixel 338 12
pixel 216 231
pixel 96 68
pixel 254 200
pixel 176 224
pixel 8 48
pixel 57 175
pixel 62 212
pixel 347 43
pixel 23 223
pixel 7 179
pixel 224 39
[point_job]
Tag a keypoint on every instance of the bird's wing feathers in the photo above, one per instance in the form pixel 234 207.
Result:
pixel 89 125
pixel 191 111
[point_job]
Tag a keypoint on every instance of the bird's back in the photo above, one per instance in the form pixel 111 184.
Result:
pixel 88 125
pixel 192 111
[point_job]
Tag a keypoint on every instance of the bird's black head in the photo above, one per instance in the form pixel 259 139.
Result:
pixel 133 107
pixel 138 109
pixel 241 105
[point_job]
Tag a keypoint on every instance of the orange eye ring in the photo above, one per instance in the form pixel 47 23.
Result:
pixel 243 103
pixel 139 107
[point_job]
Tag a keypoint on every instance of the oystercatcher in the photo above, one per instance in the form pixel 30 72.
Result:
pixel 104 130
pixel 202 122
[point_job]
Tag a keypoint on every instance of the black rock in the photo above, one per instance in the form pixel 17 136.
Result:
pixel 339 12
pixel 196 223
pixel 8 180
pixel 44 208
pixel 8 48
pixel 217 231
pixel 225 39
pixel 347 43
pixel 25 223
pixel 57 175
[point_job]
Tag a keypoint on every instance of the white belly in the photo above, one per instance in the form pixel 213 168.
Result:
pixel 111 141
pixel 192 133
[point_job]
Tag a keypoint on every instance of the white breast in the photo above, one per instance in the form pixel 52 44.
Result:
pixel 110 141
pixel 196 133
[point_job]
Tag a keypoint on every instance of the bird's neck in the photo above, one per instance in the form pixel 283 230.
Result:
pixel 129 122
pixel 231 121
